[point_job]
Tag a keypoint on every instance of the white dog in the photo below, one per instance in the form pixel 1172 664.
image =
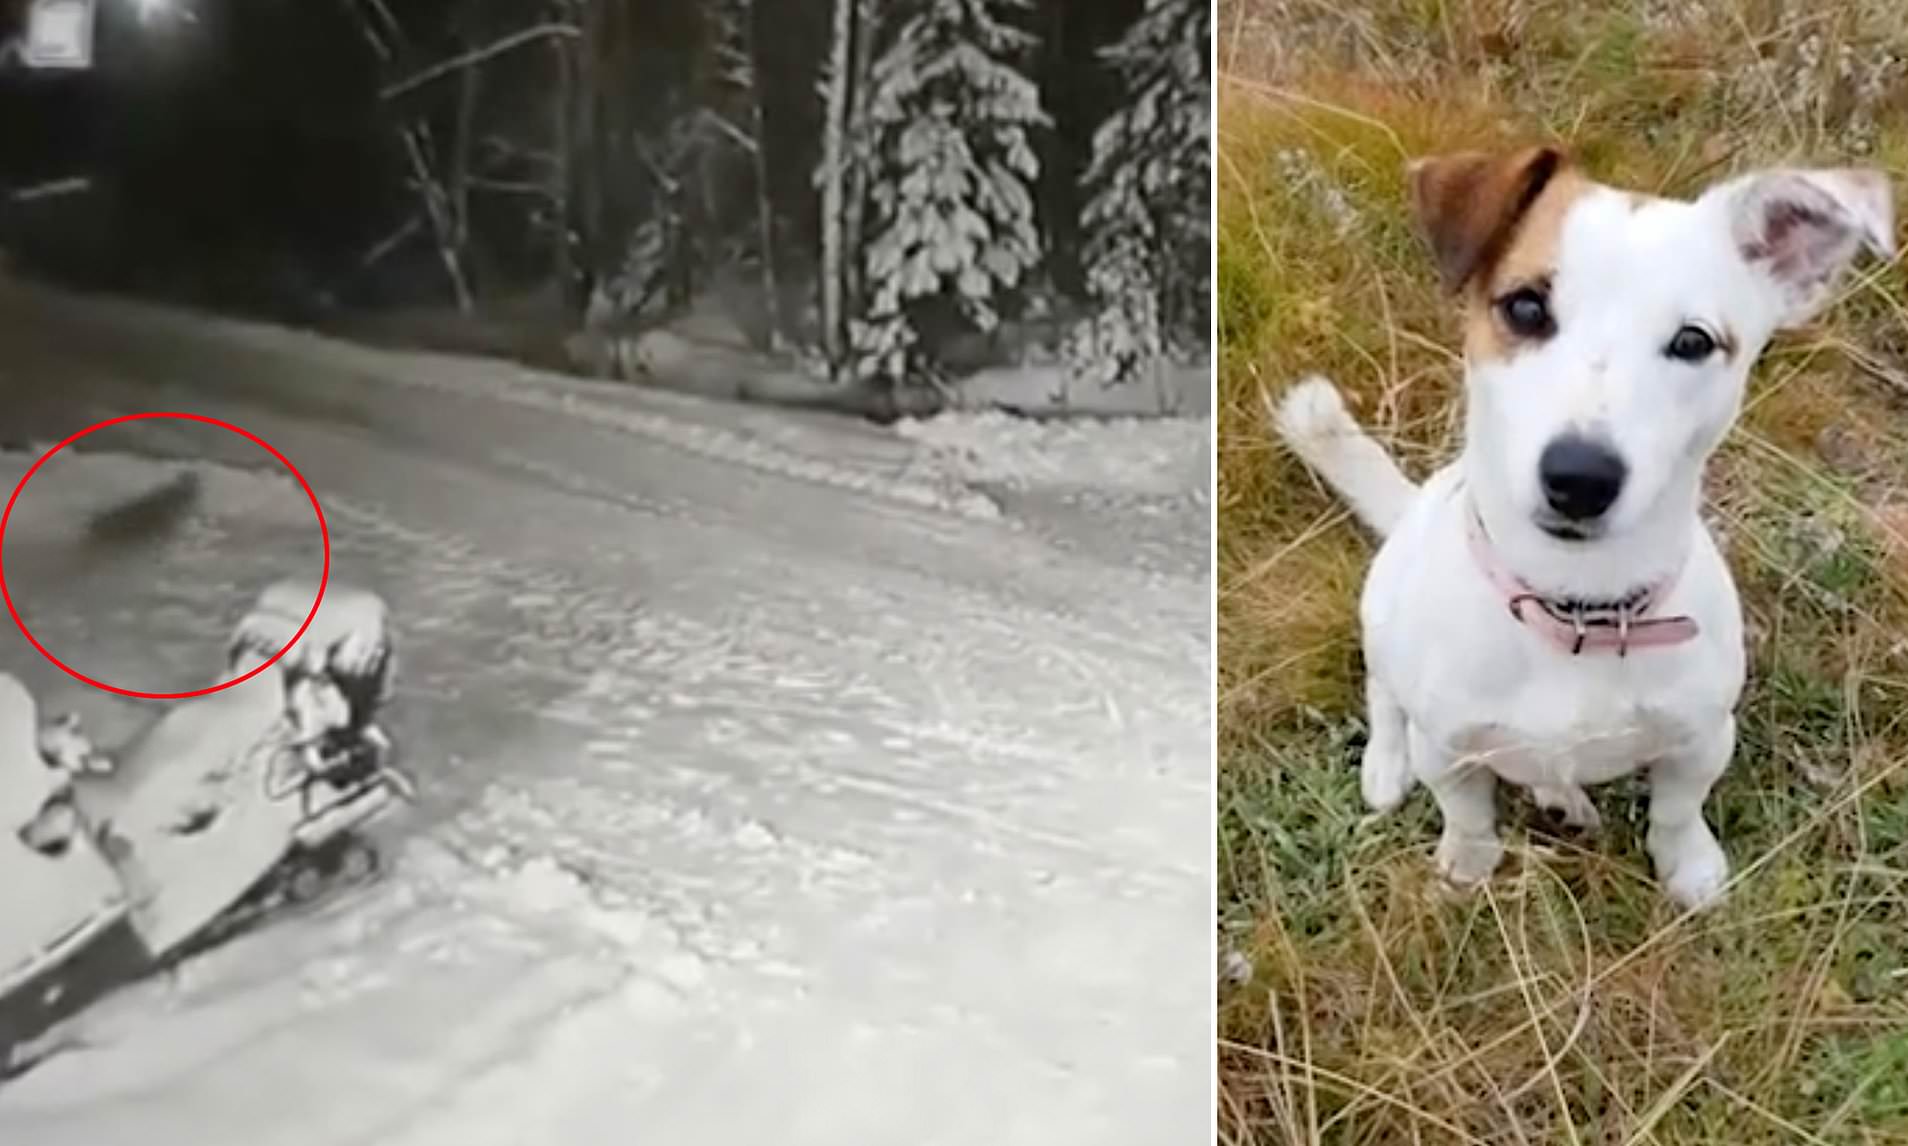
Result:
pixel 1549 609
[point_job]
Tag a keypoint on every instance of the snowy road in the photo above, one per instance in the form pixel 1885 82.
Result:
pixel 777 788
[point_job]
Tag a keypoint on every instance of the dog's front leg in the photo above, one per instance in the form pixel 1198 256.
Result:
pixel 1384 774
pixel 1466 791
pixel 1689 862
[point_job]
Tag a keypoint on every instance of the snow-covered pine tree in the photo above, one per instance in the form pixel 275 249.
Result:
pixel 1148 217
pixel 951 193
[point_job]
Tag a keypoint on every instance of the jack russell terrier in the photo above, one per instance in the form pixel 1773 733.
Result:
pixel 1549 609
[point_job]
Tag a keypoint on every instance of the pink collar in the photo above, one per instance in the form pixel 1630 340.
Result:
pixel 1579 626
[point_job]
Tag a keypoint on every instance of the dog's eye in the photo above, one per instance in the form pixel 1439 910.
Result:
pixel 1527 312
pixel 1691 344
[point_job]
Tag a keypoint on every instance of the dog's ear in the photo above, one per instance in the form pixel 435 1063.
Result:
pixel 1802 228
pixel 1469 204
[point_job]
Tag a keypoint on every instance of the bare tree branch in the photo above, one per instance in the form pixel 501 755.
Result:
pixel 669 184
pixel 499 148
pixel 737 136
pixel 476 56
pixel 391 242
pixel 510 186
pixel 371 34
pixel 392 29
pixel 437 207
pixel 52 189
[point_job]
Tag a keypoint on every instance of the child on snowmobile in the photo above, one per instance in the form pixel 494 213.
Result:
pixel 340 674
pixel 224 808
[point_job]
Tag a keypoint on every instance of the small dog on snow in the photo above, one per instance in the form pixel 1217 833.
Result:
pixel 1549 609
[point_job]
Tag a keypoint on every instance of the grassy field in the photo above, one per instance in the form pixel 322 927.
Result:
pixel 1567 1001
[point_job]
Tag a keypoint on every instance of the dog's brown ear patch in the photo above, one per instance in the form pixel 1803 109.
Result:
pixel 1469 204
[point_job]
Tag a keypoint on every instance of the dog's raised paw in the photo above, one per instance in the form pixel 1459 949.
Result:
pixel 1310 410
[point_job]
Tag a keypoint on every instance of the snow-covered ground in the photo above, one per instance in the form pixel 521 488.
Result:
pixel 785 779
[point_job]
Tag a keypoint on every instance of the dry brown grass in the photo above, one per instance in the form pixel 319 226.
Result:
pixel 1567 1002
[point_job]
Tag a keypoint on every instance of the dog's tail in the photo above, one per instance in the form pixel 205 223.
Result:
pixel 1313 420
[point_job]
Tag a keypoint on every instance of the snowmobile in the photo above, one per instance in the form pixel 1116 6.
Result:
pixel 227 807
pixel 63 909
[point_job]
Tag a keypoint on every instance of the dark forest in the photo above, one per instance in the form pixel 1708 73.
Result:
pixel 884 190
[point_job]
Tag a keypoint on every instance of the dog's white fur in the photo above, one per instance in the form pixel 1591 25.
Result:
pixel 1460 695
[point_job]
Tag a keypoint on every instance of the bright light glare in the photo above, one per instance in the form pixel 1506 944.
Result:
pixel 151 9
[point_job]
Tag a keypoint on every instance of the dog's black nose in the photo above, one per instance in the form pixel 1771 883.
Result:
pixel 1581 478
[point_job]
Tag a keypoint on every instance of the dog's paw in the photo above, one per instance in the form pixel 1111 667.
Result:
pixel 1468 860
pixel 1570 802
pixel 1310 410
pixel 1691 865
pixel 1384 777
